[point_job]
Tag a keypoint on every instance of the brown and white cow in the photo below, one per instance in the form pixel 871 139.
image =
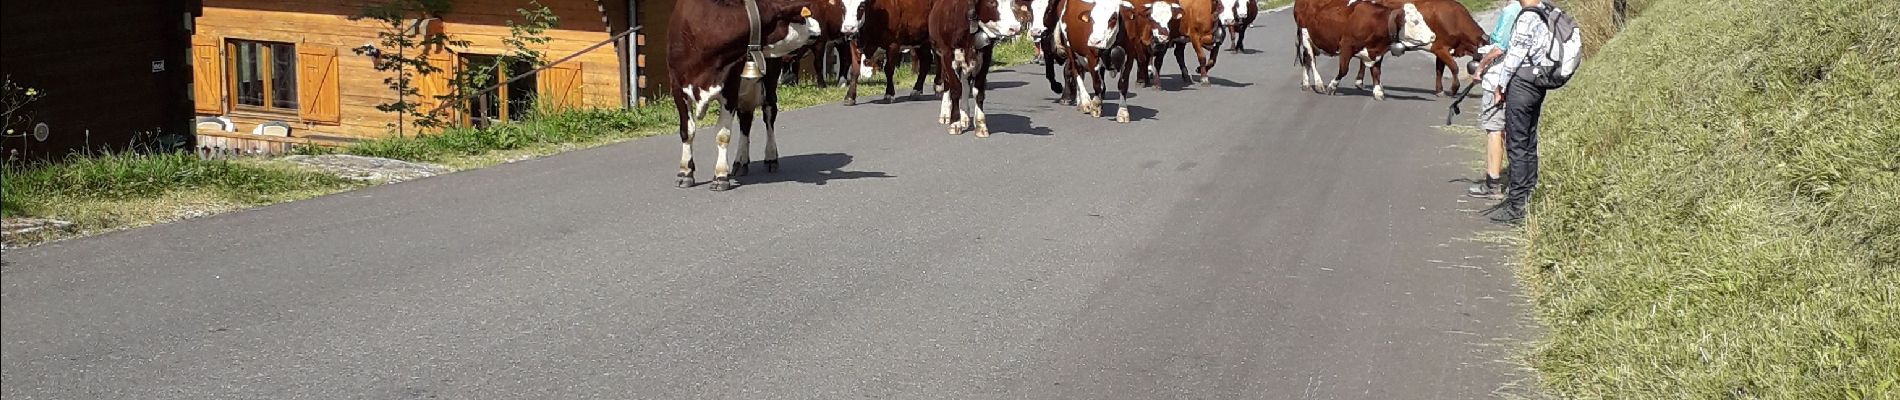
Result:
pixel 1093 30
pixel 1200 27
pixel 1050 35
pixel 1149 32
pixel 962 33
pixel 705 49
pixel 829 50
pixel 1363 30
pixel 1244 12
pixel 1458 35
pixel 894 27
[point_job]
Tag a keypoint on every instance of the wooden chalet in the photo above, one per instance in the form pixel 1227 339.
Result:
pixel 289 64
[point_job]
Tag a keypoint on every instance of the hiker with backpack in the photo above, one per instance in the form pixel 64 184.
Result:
pixel 1541 55
pixel 1491 118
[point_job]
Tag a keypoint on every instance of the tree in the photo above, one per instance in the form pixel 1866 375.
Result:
pixel 402 50
pixel 524 42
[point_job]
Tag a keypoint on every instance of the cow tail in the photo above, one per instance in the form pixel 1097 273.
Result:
pixel 1300 58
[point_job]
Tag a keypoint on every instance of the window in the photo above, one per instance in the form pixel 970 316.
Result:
pixel 511 101
pixel 263 75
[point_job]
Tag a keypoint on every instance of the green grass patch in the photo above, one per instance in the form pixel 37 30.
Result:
pixel 112 191
pixel 1720 209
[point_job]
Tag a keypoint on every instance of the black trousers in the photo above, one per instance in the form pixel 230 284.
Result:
pixel 1523 105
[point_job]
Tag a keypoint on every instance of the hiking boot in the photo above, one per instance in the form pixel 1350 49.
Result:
pixel 1506 212
pixel 1486 189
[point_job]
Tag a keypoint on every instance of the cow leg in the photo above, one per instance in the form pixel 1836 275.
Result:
pixel 922 68
pixel 1240 35
pixel 1311 60
pixel 687 119
pixel 769 109
pixel 946 108
pixel 1121 109
pixel 1180 59
pixel 1345 59
pixel 1101 88
pixel 856 63
pixel 1207 61
pixel 1378 88
pixel 722 171
pixel 979 81
pixel 1445 62
pixel 1302 55
pixel 891 58
pixel 1081 88
pixel 952 112
pixel 1359 81
pixel 1049 67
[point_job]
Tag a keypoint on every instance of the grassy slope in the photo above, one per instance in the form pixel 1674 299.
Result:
pixel 1720 215
pixel 123 191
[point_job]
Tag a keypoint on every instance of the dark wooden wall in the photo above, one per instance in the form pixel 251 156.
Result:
pixel 92 59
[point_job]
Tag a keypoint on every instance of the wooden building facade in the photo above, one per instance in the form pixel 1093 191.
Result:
pixel 111 73
pixel 291 61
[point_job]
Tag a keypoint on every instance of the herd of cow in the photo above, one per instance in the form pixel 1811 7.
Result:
pixel 1081 43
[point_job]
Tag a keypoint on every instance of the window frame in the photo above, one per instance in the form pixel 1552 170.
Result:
pixel 505 103
pixel 266 58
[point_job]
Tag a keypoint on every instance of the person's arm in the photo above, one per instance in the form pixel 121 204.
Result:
pixel 1521 42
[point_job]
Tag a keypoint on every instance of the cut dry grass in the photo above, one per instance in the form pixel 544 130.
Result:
pixel 1720 209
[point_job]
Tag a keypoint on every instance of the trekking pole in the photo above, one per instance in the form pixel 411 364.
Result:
pixel 1461 98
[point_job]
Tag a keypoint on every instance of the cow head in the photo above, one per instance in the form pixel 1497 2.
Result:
pixel 1163 14
pixel 1038 18
pixel 1409 31
pixel 995 19
pixel 1104 21
pixel 800 29
pixel 854 11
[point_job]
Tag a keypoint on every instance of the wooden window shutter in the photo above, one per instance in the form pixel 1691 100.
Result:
pixel 428 87
pixel 207 76
pixel 317 96
pixel 561 85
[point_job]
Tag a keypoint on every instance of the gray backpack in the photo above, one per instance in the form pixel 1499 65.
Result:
pixel 1566 50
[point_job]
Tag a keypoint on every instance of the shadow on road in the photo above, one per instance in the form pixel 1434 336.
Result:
pixel 1006 84
pixel 1016 125
pixel 816 169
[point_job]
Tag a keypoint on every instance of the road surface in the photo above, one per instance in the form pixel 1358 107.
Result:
pixel 1240 241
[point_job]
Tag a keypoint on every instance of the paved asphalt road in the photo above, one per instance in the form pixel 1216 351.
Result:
pixel 1241 241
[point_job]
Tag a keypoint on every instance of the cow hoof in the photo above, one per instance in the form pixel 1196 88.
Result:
pixel 1205 82
pixel 1121 115
pixel 943 120
pixel 888 99
pixel 684 181
pixel 915 94
pixel 771 166
pixel 957 128
pixel 982 131
pixel 851 101
pixel 741 169
pixel 722 184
